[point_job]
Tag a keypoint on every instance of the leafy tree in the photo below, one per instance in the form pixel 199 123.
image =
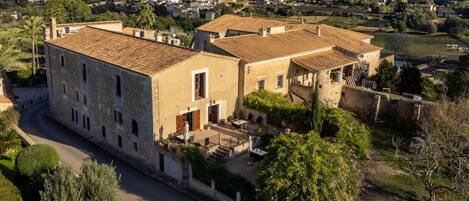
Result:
pixel 386 77
pixel 8 137
pixel 62 185
pixel 430 90
pixel 304 167
pixel 99 182
pixel 146 17
pixel 458 81
pixel 161 11
pixel 67 10
pixel 33 25
pixel 446 138
pixel 316 114
pixel 410 80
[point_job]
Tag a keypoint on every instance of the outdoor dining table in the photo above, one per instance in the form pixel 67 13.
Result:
pixel 257 153
pixel 239 123
pixel 181 137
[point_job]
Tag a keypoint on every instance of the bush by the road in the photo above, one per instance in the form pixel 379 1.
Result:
pixel 8 191
pixel 36 159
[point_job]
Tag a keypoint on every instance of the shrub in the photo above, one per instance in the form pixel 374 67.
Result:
pixel 225 181
pixel 279 110
pixel 36 159
pixel 8 191
pixel 99 182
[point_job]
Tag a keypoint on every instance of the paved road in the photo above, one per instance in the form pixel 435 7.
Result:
pixel 74 150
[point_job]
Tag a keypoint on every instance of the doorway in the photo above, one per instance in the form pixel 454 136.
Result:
pixel 192 118
pixel 213 113
pixel 161 161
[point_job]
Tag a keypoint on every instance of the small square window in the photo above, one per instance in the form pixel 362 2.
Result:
pixel 279 81
pixel 260 84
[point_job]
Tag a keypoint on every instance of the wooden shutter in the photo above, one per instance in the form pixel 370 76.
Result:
pixel 179 124
pixel 197 120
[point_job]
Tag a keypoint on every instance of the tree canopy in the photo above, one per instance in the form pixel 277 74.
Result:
pixel 410 80
pixel 304 167
pixel 386 77
pixel 67 10
pixel 458 81
pixel 146 17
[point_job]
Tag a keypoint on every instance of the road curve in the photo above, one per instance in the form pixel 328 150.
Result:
pixel 74 150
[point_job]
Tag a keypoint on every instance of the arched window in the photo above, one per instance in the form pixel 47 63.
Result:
pixel 134 127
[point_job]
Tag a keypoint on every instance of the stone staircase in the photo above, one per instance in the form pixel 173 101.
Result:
pixel 220 155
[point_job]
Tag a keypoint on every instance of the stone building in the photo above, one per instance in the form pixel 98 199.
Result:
pixel 291 57
pixel 128 92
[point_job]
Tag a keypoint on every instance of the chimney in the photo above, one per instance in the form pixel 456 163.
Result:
pixel 318 30
pixel 302 21
pixel 53 28
pixel 263 32
pixel 250 14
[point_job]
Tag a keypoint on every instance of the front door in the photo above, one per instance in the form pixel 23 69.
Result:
pixel 213 114
pixel 192 118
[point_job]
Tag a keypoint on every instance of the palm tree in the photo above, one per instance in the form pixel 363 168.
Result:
pixel 146 18
pixel 33 25
pixel 7 50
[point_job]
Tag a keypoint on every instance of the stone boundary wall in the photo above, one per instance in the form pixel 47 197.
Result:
pixel 25 137
pixel 209 190
pixel 371 105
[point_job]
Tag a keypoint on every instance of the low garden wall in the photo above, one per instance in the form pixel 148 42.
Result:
pixel 372 105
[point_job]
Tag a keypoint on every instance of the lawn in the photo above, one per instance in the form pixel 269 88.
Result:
pixel 386 177
pixel 8 191
pixel 414 45
pixel 344 22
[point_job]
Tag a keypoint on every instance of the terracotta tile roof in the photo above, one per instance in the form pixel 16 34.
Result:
pixel 252 48
pixel 89 23
pixel 324 60
pixel 349 40
pixel 136 54
pixel 233 22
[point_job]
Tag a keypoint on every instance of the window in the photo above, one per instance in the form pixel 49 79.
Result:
pixel 135 146
pixel 62 61
pixel 77 95
pixel 260 84
pixel 86 122
pixel 279 81
pixel 64 88
pixel 118 116
pixel 103 131
pixel 134 127
pixel 118 85
pixel 74 116
pixel 83 72
pixel 85 101
pixel 199 87
pixel 119 141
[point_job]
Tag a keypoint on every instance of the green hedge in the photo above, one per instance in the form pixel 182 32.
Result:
pixel 36 159
pixel 279 111
pixel 225 181
pixel 8 191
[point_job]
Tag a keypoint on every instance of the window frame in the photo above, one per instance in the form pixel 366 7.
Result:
pixel 118 87
pixel 280 78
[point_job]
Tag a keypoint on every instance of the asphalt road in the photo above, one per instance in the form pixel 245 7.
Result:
pixel 74 150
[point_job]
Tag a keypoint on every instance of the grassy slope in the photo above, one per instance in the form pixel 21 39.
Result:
pixel 420 45
pixel 8 191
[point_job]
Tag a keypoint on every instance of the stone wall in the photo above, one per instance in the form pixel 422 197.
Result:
pixel 371 105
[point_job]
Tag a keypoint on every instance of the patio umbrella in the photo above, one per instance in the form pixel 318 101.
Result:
pixel 186 132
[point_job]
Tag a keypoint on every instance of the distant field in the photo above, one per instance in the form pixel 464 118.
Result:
pixel 417 45
pixel 344 22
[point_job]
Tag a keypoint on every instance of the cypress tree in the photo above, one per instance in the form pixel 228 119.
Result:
pixel 316 117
